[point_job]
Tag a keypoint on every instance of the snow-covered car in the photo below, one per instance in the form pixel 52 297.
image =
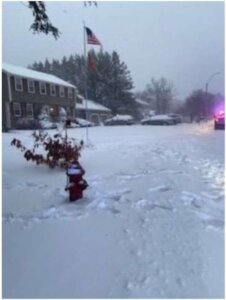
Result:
pixel 83 123
pixel 120 120
pixel 219 120
pixel 176 117
pixel 158 120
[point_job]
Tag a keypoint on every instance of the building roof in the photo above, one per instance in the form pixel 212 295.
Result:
pixel 122 118
pixel 91 105
pixel 40 76
pixel 141 102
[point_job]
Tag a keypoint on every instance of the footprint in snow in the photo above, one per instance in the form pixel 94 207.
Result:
pixel 160 188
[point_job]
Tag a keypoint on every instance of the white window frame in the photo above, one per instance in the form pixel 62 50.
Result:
pixel 40 88
pixel 16 78
pixel 51 90
pixel 32 91
pixel 31 109
pixel 18 108
pixel 62 91
pixel 70 93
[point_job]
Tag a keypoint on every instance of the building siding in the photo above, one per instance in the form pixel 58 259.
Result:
pixel 5 100
pixel 38 100
pixel 25 96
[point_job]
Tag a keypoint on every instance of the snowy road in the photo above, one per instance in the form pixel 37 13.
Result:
pixel 151 224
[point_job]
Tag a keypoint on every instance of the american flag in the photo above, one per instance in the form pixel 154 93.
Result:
pixel 91 38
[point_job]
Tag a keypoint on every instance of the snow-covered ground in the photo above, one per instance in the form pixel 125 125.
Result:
pixel 151 224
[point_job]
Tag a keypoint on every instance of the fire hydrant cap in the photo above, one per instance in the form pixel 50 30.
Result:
pixel 73 171
pixel 75 166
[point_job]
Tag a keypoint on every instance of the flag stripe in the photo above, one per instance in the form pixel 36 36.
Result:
pixel 91 38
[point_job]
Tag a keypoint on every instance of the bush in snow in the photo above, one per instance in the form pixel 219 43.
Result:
pixel 45 119
pixel 62 114
pixel 44 116
pixel 58 150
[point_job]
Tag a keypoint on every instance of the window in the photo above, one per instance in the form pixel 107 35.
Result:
pixel 52 90
pixel 79 99
pixel 29 109
pixel 16 109
pixel 42 88
pixel 31 86
pixel 70 93
pixel 61 91
pixel 18 84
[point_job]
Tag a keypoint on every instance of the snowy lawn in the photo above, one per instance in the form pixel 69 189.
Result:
pixel 151 224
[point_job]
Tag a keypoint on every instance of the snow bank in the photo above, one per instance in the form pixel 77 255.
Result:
pixel 151 224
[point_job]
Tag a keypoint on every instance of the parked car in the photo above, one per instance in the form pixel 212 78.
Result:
pixel 176 117
pixel 120 120
pixel 83 123
pixel 219 120
pixel 158 120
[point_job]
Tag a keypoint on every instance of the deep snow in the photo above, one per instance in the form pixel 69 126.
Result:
pixel 151 224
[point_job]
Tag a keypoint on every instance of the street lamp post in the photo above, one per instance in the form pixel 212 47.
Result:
pixel 207 85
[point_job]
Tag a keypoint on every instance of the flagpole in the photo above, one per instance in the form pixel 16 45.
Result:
pixel 86 106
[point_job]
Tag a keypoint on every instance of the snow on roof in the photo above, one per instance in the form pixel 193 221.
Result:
pixel 91 105
pixel 161 117
pixel 141 102
pixel 28 73
pixel 157 118
pixel 122 117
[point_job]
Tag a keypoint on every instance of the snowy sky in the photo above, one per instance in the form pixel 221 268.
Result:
pixel 182 41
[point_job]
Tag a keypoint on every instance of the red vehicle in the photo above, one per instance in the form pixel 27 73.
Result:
pixel 219 120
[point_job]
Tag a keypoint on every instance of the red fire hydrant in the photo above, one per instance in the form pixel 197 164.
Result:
pixel 75 183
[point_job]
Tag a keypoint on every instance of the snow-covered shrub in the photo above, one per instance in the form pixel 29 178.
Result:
pixel 45 119
pixel 62 114
pixel 44 115
pixel 54 151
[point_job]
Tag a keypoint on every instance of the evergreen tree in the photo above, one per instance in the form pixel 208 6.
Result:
pixel 121 85
pixel 108 79
pixel 92 76
pixel 80 75
pixel 41 20
pixel 55 68
pixel 47 66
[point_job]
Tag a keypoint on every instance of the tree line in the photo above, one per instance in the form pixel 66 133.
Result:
pixel 104 78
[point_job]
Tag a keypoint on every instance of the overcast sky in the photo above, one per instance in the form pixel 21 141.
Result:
pixel 182 41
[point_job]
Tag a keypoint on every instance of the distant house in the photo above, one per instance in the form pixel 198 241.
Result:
pixel 144 108
pixel 25 93
pixel 96 112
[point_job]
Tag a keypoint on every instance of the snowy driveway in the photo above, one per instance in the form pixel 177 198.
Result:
pixel 151 224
